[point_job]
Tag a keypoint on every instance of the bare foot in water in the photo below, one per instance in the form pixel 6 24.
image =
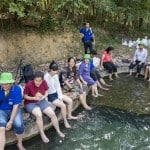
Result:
pixel 94 95
pixel 99 95
pixel 72 117
pixel 67 125
pixel 111 79
pixel 108 85
pixel 62 135
pixel 88 108
pixel 44 138
pixel 20 146
pixel 105 89
pixel 117 76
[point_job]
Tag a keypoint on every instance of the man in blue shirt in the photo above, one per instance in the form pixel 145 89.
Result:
pixel 87 35
pixel 10 113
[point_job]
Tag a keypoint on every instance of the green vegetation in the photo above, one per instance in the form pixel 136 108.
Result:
pixel 48 15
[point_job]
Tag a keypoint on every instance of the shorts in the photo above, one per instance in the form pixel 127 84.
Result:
pixel 18 124
pixel 43 104
pixel 52 97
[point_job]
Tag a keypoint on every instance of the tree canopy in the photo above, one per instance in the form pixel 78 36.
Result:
pixel 133 14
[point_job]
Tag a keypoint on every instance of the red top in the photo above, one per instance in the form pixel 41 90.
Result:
pixel 31 90
pixel 108 56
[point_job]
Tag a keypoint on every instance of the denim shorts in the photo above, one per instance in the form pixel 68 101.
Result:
pixel 18 124
pixel 43 104
pixel 52 97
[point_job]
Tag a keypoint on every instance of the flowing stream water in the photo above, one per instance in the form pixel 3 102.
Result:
pixel 120 120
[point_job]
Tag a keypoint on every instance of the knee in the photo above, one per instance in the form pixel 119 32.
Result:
pixel 63 106
pixel 70 102
pixel 52 114
pixel 147 67
pixel 18 127
pixel 38 114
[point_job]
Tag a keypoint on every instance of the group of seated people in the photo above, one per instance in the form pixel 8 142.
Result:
pixel 46 89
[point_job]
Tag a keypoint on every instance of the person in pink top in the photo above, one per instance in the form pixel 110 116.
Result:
pixel 107 62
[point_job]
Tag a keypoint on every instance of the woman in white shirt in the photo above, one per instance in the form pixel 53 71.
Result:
pixel 55 95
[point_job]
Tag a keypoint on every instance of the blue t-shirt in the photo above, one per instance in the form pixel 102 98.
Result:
pixel 14 97
pixel 88 33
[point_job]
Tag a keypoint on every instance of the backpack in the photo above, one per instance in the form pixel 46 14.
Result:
pixel 27 72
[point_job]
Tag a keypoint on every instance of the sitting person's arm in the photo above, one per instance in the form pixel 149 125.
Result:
pixel 12 117
pixel 101 62
pixel 79 82
pixel 80 72
pixel 68 84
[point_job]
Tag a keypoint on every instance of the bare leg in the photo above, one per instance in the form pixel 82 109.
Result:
pixel 137 75
pixel 130 72
pixel 50 113
pixel 146 73
pixel 104 83
pixel 19 144
pixel 62 106
pixel 82 99
pixel 2 138
pixel 39 121
pixel 100 86
pixel 116 75
pixel 96 91
pixel 149 73
pixel 69 101
pixel 110 77
pixel 93 92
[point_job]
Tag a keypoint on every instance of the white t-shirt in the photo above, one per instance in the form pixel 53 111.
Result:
pixel 53 84
pixel 96 61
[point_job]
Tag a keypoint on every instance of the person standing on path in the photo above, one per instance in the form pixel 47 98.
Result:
pixel 88 39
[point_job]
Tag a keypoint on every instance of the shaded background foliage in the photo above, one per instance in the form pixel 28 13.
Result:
pixel 46 15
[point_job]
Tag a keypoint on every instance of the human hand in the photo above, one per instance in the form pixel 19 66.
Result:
pixel 9 125
pixel 39 98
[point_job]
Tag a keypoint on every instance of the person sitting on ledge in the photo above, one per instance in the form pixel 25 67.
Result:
pixel 107 62
pixel 84 75
pixel 71 80
pixel 147 72
pixel 95 74
pixel 55 95
pixel 139 59
pixel 10 113
pixel 35 94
